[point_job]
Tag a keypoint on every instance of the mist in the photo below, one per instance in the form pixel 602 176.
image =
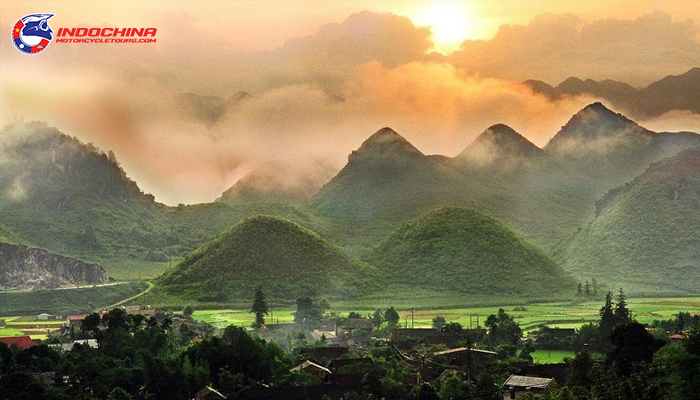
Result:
pixel 188 125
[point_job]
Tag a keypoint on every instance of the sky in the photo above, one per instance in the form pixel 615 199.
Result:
pixel 283 91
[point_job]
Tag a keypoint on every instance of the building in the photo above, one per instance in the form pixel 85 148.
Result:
pixel 312 368
pixel 207 393
pixel 516 386
pixel 44 317
pixel 92 343
pixel 22 342
pixel 74 321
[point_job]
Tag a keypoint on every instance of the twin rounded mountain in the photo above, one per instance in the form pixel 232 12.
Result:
pixel 449 249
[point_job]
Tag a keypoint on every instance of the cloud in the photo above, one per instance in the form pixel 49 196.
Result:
pixel 554 47
pixel 173 114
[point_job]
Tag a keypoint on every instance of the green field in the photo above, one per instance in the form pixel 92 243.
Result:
pixel 551 356
pixel 85 299
pixel 530 316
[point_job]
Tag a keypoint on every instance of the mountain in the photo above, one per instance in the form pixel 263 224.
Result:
pixel 7 236
pixel 69 197
pixel 672 93
pixel 546 194
pixel 466 251
pixel 287 260
pixel 501 145
pixel 274 182
pixel 73 199
pixel 597 130
pixel 646 236
pixel 387 177
pixel 26 268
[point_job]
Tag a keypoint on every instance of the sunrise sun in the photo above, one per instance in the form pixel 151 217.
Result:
pixel 450 23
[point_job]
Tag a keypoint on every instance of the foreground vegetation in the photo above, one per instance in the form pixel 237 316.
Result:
pixel 612 358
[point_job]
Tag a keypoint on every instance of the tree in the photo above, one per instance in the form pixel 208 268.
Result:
pixel 632 344
pixel 439 321
pixel 587 288
pixel 378 317
pixel 188 311
pixel 622 314
pixel 116 318
pixel 259 308
pixel 307 313
pixel 391 316
pixel 91 323
pixel 503 329
pixel 607 321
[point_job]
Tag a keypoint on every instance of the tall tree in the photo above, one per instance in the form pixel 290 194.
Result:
pixel 259 307
pixel 622 313
pixel 607 320
pixel 308 314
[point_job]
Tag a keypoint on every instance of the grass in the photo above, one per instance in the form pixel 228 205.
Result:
pixel 551 356
pixel 10 332
pixel 136 270
pixel 86 299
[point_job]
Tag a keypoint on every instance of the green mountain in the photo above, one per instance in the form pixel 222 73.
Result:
pixel 7 236
pixel 466 251
pixel 286 259
pixel 646 235
pixel 501 145
pixel 73 199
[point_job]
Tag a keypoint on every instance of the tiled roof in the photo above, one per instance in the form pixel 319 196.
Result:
pixel 527 382
pixel 23 342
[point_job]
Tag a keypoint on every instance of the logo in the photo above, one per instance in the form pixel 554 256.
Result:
pixel 32 33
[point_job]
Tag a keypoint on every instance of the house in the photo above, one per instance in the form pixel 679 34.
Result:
pixel 208 393
pixel 74 321
pixel 44 317
pixel 559 333
pixel 137 310
pixel 323 355
pixel 348 373
pixel 516 386
pixel 417 334
pixel 556 371
pixel 359 323
pixel 92 343
pixel 677 337
pixel 22 342
pixel 312 368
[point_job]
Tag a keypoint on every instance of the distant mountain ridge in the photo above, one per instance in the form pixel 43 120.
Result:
pixel 646 235
pixel 674 92
pixel 73 199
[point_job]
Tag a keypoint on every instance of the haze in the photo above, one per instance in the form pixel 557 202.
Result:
pixel 231 88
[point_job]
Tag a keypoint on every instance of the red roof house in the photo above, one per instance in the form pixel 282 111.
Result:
pixel 22 342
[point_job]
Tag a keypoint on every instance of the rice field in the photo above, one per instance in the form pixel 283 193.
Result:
pixel 530 317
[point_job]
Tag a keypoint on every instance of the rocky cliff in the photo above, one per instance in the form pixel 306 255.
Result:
pixel 27 268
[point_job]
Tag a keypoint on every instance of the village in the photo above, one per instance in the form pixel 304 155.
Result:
pixel 322 355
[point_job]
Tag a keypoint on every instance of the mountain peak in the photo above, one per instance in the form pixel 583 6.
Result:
pixel 498 142
pixel 386 143
pixel 593 123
